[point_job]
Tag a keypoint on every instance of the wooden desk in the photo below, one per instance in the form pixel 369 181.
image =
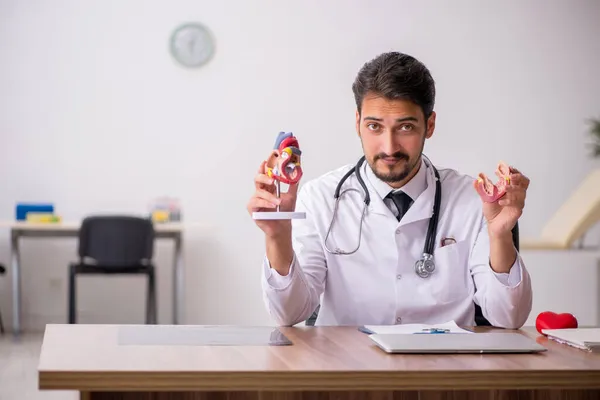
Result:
pixel 324 363
pixel 20 229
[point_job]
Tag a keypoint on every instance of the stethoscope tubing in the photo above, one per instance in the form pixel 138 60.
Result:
pixel 423 267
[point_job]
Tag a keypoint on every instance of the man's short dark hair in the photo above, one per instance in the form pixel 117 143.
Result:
pixel 396 76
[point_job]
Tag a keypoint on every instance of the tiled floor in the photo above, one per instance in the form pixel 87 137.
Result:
pixel 18 370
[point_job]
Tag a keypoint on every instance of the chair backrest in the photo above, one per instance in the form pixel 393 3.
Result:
pixel 480 320
pixel 118 241
pixel 577 214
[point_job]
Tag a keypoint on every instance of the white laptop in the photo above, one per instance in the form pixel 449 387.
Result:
pixel 451 343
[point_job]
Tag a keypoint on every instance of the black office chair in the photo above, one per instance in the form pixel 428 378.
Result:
pixel 115 245
pixel 2 272
pixel 480 320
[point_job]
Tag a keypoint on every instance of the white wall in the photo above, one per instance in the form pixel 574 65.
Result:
pixel 80 80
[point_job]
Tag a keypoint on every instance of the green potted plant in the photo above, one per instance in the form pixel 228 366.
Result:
pixel 595 132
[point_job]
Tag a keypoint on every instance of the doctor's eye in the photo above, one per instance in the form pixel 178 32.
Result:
pixel 407 127
pixel 373 126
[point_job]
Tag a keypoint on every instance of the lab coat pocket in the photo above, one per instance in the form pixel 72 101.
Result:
pixel 449 280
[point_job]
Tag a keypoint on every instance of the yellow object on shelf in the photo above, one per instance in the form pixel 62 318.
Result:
pixel 42 217
pixel 160 216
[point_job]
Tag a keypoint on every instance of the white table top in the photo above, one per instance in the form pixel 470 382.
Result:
pixel 69 226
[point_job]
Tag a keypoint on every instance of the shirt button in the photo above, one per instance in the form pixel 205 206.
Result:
pixel 398 319
pixel 399 276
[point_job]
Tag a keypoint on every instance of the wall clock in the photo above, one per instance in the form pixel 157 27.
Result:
pixel 192 45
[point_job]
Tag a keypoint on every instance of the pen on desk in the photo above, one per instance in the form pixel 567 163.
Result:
pixel 432 331
pixel 365 330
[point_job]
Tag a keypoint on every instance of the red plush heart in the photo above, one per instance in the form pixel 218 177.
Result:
pixel 552 320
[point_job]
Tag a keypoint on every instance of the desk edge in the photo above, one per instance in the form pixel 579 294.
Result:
pixel 322 380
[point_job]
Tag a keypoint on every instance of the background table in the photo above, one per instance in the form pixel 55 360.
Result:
pixel 55 230
pixel 324 363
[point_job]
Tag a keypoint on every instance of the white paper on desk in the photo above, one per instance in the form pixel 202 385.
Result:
pixel 414 328
pixel 582 338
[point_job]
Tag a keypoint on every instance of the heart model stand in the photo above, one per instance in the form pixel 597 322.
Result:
pixel 283 164
pixel 276 215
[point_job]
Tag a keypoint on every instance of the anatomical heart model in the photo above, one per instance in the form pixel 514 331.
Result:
pixel 489 191
pixel 283 165
pixel 284 162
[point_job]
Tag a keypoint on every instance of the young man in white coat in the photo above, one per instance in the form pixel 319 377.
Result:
pixel 475 259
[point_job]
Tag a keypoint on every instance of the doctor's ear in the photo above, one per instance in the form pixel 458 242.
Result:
pixel 430 125
pixel 358 123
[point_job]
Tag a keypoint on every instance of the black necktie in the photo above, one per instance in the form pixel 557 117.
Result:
pixel 402 202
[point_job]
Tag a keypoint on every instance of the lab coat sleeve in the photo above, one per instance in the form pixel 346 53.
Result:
pixel 292 298
pixel 511 278
pixel 505 298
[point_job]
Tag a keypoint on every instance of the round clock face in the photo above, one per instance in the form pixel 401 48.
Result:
pixel 192 45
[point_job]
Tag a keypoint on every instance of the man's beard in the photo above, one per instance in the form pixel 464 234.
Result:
pixel 393 176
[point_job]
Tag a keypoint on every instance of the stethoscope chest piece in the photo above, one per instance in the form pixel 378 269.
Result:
pixel 425 266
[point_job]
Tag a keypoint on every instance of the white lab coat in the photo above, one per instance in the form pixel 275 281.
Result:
pixel 377 285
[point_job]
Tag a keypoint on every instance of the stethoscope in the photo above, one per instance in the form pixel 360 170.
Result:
pixel 425 266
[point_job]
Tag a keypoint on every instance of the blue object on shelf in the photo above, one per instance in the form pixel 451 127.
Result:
pixel 24 208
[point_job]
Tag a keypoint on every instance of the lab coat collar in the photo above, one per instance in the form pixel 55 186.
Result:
pixel 421 188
